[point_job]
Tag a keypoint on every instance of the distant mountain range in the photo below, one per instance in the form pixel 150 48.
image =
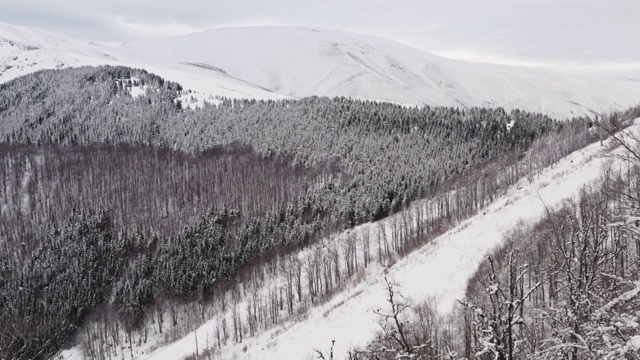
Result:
pixel 278 62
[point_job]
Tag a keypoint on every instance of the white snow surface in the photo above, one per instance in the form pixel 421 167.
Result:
pixel 24 50
pixel 285 62
pixel 439 271
pixel 298 62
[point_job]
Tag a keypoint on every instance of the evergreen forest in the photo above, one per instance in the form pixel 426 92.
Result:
pixel 126 215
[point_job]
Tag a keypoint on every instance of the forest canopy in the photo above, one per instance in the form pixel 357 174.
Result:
pixel 138 203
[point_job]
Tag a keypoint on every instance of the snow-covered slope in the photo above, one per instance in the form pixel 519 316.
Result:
pixel 437 271
pixel 25 50
pixel 279 62
pixel 306 61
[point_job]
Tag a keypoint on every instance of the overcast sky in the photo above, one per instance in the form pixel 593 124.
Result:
pixel 535 32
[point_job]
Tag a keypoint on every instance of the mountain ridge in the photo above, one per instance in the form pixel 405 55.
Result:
pixel 303 61
pixel 40 50
pixel 275 62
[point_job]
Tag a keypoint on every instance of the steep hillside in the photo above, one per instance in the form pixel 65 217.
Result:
pixel 438 271
pixel 337 142
pixel 307 61
pixel 268 226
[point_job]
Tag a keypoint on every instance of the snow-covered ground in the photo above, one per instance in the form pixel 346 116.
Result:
pixel 24 50
pixel 285 62
pixel 438 271
pixel 300 62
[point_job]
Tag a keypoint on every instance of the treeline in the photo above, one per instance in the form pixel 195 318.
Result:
pixel 565 287
pixel 85 105
pixel 390 154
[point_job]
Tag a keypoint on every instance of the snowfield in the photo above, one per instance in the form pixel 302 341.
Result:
pixel 24 50
pixel 439 271
pixel 291 62
pixel 299 62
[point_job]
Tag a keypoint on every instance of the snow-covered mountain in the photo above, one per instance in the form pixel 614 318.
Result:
pixel 279 62
pixel 306 61
pixel 25 50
